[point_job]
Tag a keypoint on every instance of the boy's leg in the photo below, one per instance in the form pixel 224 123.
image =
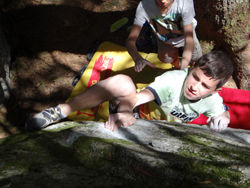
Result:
pixel 116 88
pixel 166 53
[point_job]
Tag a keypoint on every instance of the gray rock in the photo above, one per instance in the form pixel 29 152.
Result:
pixel 148 154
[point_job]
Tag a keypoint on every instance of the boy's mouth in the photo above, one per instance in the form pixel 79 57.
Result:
pixel 191 92
pixel 164 5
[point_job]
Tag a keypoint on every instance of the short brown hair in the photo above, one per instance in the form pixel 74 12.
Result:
pixel 216 64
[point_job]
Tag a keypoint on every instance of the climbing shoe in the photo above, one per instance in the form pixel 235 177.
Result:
pixel 44 118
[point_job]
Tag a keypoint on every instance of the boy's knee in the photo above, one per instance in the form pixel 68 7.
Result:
pixel 167 53
pixel 122 84
pixel 165 58
pixel 121 79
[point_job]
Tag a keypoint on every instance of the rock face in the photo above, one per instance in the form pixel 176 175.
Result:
pixel 147 154
pixel 227 23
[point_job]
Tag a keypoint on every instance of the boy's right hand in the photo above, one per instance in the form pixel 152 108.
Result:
pixel 219 123
pixel 119 119
pixel 141 63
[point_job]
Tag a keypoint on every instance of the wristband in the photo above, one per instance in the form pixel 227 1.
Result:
pixel 226 108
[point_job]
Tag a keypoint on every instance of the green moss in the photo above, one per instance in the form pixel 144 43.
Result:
pixel 245 185
pixel 92 153
pixel 197 154
pixel 242 156
pixel 216 172
pixel 207 46
pixel 86 141
pixel 116 141
pixel 2 140
pixel 14 139
pixel 33 150
pixel 237 26
pixel 66 125
pixel 213 153
pixel 199 168
pixel 96 152
pixel 210 173
pixel 229 153
pixel 185 152
pixel 196 140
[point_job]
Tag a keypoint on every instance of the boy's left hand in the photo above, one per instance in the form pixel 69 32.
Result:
pixel 220 122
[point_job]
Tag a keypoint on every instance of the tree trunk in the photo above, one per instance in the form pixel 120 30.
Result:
pixel 227 23
pixel 5 59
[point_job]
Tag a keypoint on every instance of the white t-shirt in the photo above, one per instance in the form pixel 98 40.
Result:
pixel 181 13
pixel 168 92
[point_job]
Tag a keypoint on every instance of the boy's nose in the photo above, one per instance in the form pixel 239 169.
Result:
pixel 163 1
pixel 195 86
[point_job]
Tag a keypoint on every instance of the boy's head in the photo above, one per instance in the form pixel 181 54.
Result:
pixel 216 65
pixel 208 75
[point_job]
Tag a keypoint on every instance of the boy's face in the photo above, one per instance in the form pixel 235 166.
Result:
pixel 163 3
pixel 197 85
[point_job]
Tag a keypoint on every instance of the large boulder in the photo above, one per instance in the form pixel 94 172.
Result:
pixel 147 154
pixel 226 22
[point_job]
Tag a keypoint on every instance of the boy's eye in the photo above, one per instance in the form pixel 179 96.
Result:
pixel 204 85
pixel 196 77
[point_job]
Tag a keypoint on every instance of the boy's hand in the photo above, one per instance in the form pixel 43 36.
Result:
pixel 220 122
pixel 119 119
pixel 141 63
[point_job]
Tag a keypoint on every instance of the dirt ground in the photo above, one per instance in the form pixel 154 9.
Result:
pixel 49 45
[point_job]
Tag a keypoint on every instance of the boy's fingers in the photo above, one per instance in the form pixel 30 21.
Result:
pixel 141 64
pixel 212 124
pixel 208 120
pixel 150 64
pixel 109 123
pixel 218 125
pixel 223 125
pixel 114 128
pixel 129 122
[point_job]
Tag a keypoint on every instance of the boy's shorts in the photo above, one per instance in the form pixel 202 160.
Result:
pixel 147 42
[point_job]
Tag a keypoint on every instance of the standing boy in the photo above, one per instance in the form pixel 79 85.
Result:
pixel 173 23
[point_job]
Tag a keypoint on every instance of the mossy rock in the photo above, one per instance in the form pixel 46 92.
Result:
pixel 148 154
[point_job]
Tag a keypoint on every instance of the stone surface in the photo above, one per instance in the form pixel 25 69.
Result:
pixel 147 154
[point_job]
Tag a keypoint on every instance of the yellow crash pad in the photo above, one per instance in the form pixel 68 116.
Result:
pixel 111 59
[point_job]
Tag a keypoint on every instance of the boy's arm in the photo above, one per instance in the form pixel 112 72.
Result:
pixel 144 96
pixel 131 42
pixel 140 62
pixel 220 122
pixel 188 47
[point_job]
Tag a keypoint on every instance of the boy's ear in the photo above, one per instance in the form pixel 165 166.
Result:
pixel 192 64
